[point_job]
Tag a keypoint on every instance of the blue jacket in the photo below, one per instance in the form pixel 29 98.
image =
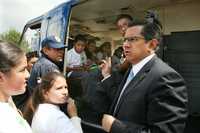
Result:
pixel 40 68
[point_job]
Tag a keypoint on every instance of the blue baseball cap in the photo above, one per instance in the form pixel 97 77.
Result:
pixel 53 42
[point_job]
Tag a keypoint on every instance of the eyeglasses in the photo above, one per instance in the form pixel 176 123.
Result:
pixel 132 39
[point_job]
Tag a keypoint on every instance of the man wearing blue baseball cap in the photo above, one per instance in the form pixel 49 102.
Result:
pixel 52 54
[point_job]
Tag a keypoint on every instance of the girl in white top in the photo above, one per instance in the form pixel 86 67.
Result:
pixel 47 116
pixel 13 77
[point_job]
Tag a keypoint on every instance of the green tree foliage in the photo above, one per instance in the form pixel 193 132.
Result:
pixel 13 36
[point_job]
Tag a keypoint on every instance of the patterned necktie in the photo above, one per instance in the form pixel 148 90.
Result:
pixel 130 77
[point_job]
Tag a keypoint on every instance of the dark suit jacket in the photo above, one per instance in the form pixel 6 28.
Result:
pixel 155 101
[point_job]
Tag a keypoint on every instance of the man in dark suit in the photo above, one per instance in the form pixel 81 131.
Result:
pixel 152 98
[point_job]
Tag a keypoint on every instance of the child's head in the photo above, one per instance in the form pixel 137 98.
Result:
pixel 13 72
pixel 80 43
pixel 52 89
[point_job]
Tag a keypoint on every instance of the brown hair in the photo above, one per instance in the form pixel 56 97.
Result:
pixel 37 98
pixel 10 55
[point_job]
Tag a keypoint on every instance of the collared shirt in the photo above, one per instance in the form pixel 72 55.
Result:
pixel 137 67
pixel 48 118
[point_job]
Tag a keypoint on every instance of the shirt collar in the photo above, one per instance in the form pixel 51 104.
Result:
pixel 137 67
pixel 50 106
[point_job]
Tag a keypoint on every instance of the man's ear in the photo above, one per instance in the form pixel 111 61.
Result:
pixel 45 50
pixel 2 76
pixel 152 45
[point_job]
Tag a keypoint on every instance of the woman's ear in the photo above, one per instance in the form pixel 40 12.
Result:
pixel 45 94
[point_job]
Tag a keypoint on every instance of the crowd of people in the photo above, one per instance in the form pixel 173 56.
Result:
pixel 127 92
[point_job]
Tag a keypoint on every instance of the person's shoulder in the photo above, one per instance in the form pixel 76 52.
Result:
pixel 4 109
pixel 71 51
pixel 162 68
pixel 40 62
pixel 50 110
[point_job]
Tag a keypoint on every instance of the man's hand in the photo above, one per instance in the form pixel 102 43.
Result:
pixel 107 122
pixel 106 67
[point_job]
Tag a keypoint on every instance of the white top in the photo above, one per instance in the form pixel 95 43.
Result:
pixel 11 121
pixel 48 118
pixel 75 59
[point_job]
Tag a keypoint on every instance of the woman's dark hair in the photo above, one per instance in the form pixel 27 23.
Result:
pixel 32 54
pixel 37 98
pixel 10 55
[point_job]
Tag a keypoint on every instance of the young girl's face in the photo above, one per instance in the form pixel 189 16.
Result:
pixel 14 82
pixel 58 93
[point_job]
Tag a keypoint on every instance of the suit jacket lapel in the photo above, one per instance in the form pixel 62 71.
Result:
pixel 136 80
pixel 119 91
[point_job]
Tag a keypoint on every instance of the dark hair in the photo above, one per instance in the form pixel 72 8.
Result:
pixel 37 98
pixel 122 16
pixel 151 29
pixel 32 54
pixel 118 50
pixel 91 41
pixel 80 37
pixel 10 55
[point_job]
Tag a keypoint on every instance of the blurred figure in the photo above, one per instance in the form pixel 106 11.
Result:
pixel 32 57
pixel 76 58
pixel 13 77
pixel 122 22
pixel 44 113
pixel 91 51
pixel 116 59
pixel 104 51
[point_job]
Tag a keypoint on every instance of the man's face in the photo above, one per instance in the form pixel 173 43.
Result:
pixel 79 46
pixel 135 47
pixel 122 25
pixel 55 54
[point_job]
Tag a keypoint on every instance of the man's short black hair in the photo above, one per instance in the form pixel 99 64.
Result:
pixel 122 16
pixel 150 30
